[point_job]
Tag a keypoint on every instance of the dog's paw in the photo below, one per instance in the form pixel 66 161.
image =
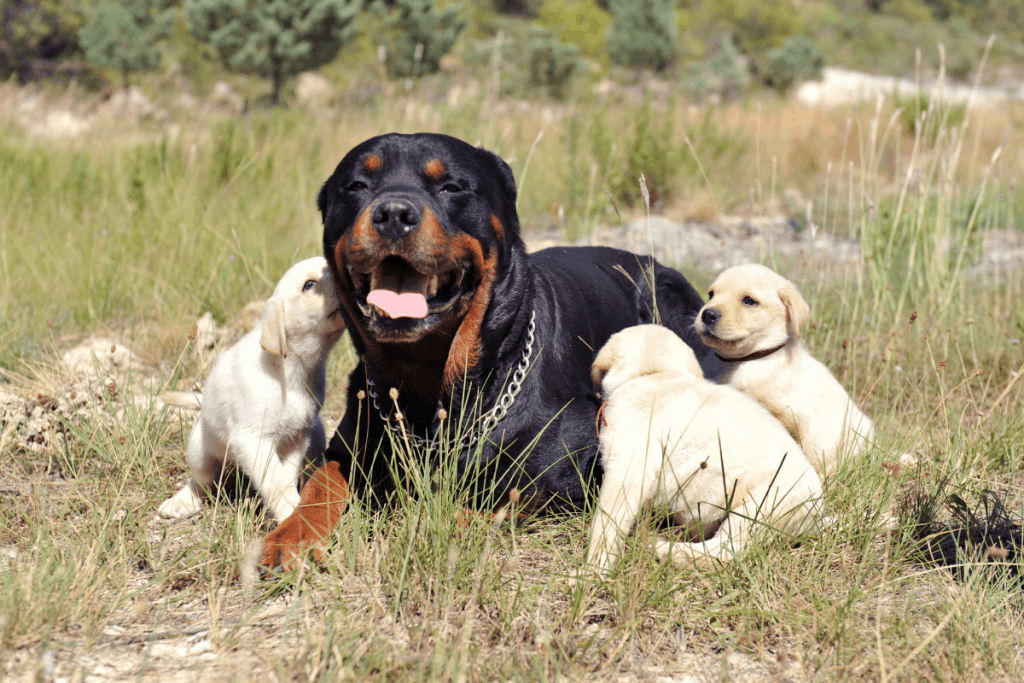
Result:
pixel 322 501
pixel 184 503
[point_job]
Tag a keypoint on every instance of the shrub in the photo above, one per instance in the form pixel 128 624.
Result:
pixel 649 150
pixel 643 32
pixel 578 22
pixel 123 35
pixel 755 26
pixel 34 30
pixel 271 38
pixel 419 35
pixel 795 61
pixel 724 73
pixel 552 63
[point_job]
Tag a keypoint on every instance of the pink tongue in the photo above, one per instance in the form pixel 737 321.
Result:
pixel 395 305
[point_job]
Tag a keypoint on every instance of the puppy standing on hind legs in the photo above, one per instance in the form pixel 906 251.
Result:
pixel 753 319
pixel 707 453
pixel 261 404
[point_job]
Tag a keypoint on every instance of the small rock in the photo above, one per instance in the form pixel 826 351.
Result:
pixel 225 96
pixel 313 90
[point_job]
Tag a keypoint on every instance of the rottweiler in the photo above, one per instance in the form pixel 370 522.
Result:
pixel 470 348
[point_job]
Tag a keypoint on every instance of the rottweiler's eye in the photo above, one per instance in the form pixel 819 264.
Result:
pixel 451 188
pixel 748 301
pixel 356 186
pixel 310 284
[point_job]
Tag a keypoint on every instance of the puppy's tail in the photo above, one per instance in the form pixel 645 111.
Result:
pixel 187 400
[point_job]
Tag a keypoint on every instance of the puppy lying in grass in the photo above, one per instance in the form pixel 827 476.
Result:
pixel 705 452
pixel 261 404
pixel 753 319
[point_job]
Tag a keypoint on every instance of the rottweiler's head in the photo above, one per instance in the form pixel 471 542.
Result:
pixel 417 230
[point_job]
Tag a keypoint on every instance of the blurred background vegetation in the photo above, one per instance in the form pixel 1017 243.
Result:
pixel 197 199
pixel 743 43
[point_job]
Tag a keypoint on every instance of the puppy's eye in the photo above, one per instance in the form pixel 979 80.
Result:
pixel 451 188
pixel 310 284
pixel 711 294
pixel 748 301
pixel 356 186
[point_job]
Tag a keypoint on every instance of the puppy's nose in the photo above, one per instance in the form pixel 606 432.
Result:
pixel 395 218
pixel 710 316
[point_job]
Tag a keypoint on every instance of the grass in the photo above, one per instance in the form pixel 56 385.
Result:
pixel 135 233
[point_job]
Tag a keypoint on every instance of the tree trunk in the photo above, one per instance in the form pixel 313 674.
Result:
pixel 276 101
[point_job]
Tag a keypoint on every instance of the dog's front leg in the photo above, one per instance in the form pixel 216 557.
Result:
pixel 323 500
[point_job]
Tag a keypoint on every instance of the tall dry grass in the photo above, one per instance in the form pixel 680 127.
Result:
pixel 139 232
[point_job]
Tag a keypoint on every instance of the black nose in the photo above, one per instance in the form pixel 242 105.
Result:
pixel 710 316
pixel 395 218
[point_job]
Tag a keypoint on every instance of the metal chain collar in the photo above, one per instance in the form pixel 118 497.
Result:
pixel 489 420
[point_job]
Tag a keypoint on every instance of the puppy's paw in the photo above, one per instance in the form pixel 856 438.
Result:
pixel 586 575
pixel 184 503
pixel 284 505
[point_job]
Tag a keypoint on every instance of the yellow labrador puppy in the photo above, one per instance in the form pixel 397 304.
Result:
pixel 261 406
pixel 753 319
pixel 706 452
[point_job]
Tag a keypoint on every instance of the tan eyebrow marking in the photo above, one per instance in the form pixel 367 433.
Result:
pixel 435 169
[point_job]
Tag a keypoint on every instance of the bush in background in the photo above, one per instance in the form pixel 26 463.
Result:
pixel 35 32
pixel 418 35
pixel 123 35
pixel 578 22
pixel 797 60
pixel 552 63
pixel 725 73
pixel 274 39
pixel 643 33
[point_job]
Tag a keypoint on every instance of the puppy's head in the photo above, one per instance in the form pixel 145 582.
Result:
pixel 641 350
pixel 303 315
pixel 750 308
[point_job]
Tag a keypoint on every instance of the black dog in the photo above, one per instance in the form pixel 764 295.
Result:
pixel 443 304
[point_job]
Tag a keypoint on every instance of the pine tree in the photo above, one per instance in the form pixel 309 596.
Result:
pixel 413 23
pixel 276 39
pixel 123 34
pixel 643 32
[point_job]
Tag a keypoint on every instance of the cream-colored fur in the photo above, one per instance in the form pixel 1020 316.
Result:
pixel 753 309
pixel 705 452
pixel 261 404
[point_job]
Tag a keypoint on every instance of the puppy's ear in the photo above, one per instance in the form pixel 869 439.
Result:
pixel 273 340
pixel 597 373
pixel 797 310
pixel 602 364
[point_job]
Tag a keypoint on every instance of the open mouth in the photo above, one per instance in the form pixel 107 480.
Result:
pixel 395 290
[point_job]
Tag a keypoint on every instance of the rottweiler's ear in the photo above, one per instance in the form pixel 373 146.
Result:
pixel 508 180
pixel 321 201
pixel 797 310
pixel 273 338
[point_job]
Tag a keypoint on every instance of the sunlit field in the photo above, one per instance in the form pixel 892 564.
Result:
pixel 133 231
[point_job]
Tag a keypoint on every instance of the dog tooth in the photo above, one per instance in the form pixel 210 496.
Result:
pixel 373 280
pixel 432 286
